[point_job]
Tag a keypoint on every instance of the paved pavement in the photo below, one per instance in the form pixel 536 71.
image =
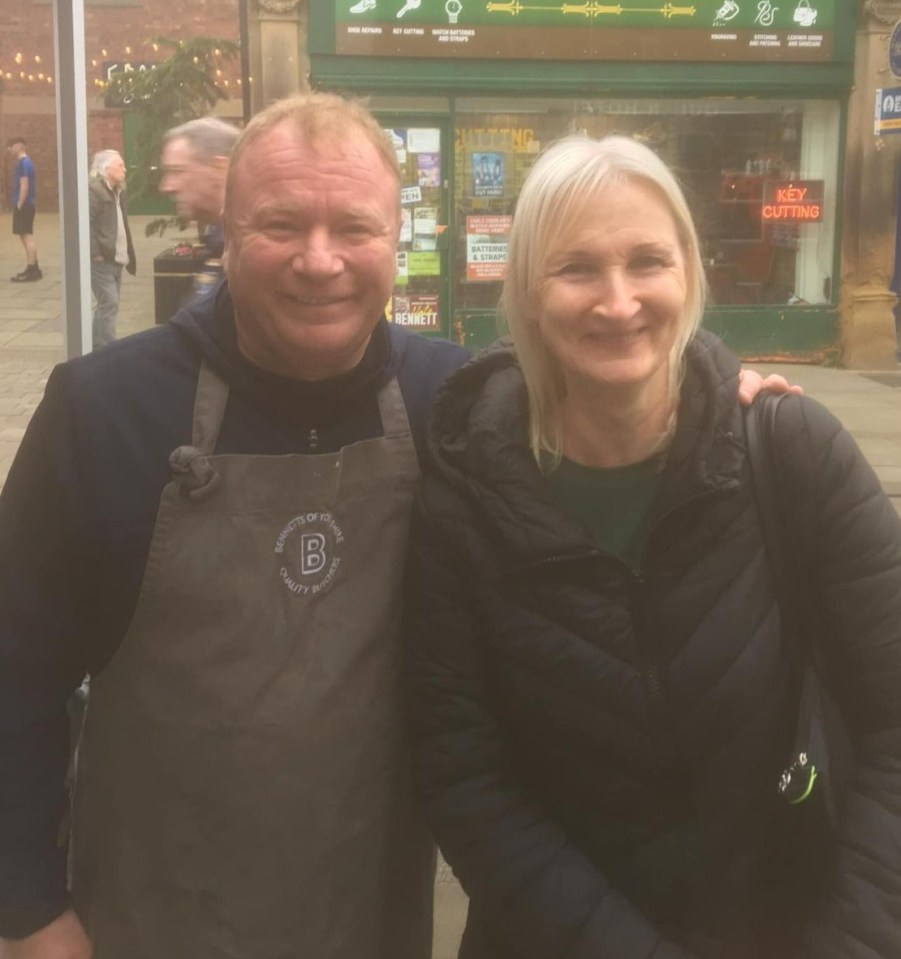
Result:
pixel 31 343
pixel 31 339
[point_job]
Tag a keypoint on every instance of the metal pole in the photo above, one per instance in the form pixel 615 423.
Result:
pixel 72 158
pixel 245 59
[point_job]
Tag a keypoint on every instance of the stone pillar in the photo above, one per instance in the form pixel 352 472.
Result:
pixel 870 201
pixel 277 34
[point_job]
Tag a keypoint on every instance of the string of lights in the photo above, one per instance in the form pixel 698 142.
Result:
pixel 29 68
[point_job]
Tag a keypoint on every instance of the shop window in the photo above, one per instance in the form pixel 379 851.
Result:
pixel 760 176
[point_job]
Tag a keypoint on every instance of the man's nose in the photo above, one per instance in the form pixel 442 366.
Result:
pixel 317 255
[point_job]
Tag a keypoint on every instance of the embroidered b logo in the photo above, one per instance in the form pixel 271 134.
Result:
pixel 310 549
pixel 312 553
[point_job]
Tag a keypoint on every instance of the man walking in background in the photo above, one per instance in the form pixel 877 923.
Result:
pixel 111 246
pixel 24 199
pixel 195 163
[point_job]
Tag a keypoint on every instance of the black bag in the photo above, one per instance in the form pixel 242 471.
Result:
pixel 820 760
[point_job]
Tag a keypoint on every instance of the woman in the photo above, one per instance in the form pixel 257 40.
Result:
pixel 601 699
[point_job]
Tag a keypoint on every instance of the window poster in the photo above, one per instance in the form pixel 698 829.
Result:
pixel 487 240
pixel 424 140
pixel 423 263
pixel 425 228
pixel 416 310
pixel 402 273
pixel 428 169
pixel 488 174
pixel 406 225
pixel 399 142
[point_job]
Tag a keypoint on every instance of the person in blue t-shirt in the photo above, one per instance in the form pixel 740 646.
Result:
pixel 24 198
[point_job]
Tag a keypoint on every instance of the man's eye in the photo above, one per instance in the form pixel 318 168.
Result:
pixel 356 229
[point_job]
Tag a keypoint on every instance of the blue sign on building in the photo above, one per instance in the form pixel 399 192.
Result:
pixel 888 110
pixel 894 51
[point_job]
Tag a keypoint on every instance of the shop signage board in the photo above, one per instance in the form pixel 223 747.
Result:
pixel 888 110
pixel 644 30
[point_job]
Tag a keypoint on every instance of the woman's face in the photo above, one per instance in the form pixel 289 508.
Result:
pixel 614 294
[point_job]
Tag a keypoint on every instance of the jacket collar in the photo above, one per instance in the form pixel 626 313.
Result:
pixel 478 443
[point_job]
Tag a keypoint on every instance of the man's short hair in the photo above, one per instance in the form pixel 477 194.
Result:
pixel 102 160
pixel 12 141
pixel 316 118
pixel 207 137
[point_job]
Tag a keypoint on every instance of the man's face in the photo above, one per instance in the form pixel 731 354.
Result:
pixel 197 185
pixel 311 237
pixel 115 172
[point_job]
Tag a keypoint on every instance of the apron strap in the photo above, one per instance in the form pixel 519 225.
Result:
pixel 191 467
pixel 209 408
pixel 393 412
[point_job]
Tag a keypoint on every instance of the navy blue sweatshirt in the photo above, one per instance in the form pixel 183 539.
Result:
pixel 76 518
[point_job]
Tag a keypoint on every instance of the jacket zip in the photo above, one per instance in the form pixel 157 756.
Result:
pixel 651 674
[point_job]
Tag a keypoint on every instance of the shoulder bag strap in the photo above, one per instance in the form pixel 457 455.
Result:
pixel 810 757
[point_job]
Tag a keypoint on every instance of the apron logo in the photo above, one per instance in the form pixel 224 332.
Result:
pixel 309 547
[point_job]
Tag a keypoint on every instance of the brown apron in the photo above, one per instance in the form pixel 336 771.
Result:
pixel 242 787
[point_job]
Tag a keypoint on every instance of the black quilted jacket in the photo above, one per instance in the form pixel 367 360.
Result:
pixel 574 720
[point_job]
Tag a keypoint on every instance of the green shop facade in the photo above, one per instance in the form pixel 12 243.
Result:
pixel 745 99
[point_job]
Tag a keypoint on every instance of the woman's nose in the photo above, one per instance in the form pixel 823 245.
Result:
pixel 617 295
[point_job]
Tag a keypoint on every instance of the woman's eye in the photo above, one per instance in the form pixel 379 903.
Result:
pixel 574 269
pixel 650 261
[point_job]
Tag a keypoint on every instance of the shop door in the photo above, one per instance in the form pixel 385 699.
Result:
pixel 421 291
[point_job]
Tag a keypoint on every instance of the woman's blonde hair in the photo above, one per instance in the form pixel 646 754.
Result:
pixel 572 172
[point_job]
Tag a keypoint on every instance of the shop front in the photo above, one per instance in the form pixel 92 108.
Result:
pixel 746 101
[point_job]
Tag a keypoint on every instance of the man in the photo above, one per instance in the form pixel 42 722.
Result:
pixel 24 200
pixel 242 784
pixel 210 519
pixel 111 246
pixel 194 164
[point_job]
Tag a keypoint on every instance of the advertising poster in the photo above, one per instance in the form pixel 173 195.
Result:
pixel 423 263
pixel 488 174
pixel 428 169
pixel 399 142
pixel 487 239
pixel 418 311
pixel 425 228
pixel 406 225
pixel 424 140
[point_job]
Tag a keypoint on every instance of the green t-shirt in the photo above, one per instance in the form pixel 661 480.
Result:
pixel 613 504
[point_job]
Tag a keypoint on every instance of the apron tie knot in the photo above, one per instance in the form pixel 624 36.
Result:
pixel 193 472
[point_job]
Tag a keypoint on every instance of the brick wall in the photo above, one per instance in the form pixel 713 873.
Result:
pixel 114 31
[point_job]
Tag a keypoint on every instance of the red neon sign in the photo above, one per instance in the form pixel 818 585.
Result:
pixel 793 201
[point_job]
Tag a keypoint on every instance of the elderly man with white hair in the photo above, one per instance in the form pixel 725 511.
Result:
pixel 111 246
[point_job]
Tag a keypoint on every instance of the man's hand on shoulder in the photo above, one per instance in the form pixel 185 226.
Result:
pixel 64 938
pixel 750 383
